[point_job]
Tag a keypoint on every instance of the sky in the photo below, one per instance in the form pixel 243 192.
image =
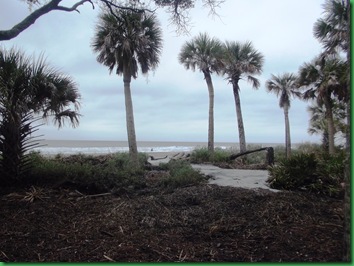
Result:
pixel 171 103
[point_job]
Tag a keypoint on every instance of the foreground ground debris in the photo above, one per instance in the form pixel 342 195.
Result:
pixel 192 224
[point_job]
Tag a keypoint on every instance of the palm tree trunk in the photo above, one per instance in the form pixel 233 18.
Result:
pixel 211 112
pixel 241 129
pixel 287 132
pixel 133 149
pixel 330 123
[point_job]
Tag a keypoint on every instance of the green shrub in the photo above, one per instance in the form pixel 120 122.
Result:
pixel 203 155
pixel 181 174
pixel 308 147
pixel 321 173
pixel 108 172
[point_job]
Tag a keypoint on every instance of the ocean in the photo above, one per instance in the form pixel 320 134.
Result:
pixel 68 147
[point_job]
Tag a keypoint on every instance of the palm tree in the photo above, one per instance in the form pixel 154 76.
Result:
pixel 323 79
pixel 126 41
pixel 241 60
pixel 318 121
pixel 29 88
pixel 204 53
pixel 332 30
pixel 284 86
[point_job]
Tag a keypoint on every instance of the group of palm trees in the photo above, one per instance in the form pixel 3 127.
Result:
pixel 324 79
pixel 126 40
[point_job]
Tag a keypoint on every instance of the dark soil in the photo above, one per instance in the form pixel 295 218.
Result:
pixel 193 224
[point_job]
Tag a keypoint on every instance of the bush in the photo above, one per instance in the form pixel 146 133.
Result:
pixel 181 174
pixel 104 171
pixel 321 173
pixel 203 155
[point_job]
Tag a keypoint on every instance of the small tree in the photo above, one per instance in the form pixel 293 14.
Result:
pixel 29 88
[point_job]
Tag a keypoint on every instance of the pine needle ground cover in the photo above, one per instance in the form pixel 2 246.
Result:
pixel 196 223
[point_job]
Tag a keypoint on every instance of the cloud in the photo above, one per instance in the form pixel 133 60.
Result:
pixel 171 103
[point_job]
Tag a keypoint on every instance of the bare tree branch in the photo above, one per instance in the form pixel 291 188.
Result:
pixel 177 8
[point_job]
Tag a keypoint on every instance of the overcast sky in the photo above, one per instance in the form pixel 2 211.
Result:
pixel 171 104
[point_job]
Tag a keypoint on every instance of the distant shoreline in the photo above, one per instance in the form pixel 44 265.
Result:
pixel 154 148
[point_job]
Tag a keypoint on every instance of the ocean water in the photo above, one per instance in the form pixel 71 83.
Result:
pixel 67 147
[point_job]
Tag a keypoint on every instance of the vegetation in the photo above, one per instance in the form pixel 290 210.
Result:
pixel 106 173
pixel 323 79
pixel 202 155
pixel 318 173
pixel 205 54
pixel 29 90
pixel 319 125
pixel 126 41
pixel 181 174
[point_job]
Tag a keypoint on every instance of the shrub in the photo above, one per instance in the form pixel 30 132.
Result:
pixel 181 174
pixel 203 155
pixel 321 173
pixel 111 171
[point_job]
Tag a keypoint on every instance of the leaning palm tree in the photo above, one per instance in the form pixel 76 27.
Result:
pixel 284 86
pixel 125 40
pixel 241 60
pixel 29 91
pixel 323 79
pixel 204 53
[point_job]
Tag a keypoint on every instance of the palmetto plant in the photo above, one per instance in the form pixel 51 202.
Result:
pixel 204 53
pixel 29 90
pixel 126 41
pixel 241 61
pixel 284 86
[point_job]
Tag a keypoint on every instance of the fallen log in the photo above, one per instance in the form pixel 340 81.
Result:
pixel 269 156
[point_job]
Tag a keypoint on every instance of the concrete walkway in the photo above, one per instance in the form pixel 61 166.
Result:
pixel 251 179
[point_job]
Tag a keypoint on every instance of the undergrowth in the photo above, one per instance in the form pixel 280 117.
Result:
pixel 105 172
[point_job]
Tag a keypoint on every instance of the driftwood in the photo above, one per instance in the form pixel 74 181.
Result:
pixel 154 159
pixel 269 156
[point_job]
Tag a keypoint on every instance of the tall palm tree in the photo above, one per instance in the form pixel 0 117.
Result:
pixel 29 89
pixel 126 41
pixel 241 61
pixel 284 86
pixel 322 79
pixel 204 53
